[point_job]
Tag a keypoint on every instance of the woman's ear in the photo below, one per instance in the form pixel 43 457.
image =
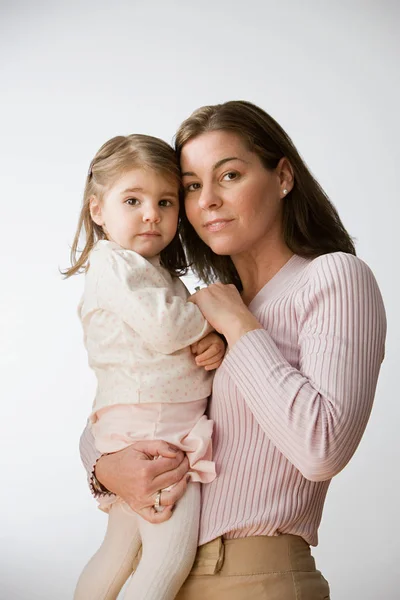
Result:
pixel 286 176
pixel 95 211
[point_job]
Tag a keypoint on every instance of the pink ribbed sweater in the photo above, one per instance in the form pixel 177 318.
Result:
pixel 291 401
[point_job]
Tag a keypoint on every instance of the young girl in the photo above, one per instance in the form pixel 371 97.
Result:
pixel 138 329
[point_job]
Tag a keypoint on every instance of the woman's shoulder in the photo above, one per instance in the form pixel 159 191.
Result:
pixel 338 270
pixel 337 264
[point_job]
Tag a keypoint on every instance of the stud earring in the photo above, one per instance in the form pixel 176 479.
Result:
pixel 285 191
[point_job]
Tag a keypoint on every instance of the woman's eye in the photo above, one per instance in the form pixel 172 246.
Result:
pixel 230 176
pixel 132 201
pixel 192 187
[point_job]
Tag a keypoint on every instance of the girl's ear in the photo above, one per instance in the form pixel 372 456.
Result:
pixel 95 211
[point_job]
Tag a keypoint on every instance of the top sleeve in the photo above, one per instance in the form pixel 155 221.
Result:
pixel 316 415
pixel 166 321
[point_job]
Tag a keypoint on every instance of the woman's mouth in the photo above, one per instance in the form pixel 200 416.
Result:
pixel 217 224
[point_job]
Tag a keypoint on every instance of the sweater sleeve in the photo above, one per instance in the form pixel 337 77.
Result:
pixel 316 415
pixel 89 456
pixel 140 297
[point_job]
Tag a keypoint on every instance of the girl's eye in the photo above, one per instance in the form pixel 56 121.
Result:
pixel 132 201
pixel 230 176
pixel 192 187
pixel 165 203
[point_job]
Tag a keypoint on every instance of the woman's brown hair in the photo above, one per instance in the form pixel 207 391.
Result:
pixel 311 224
pixel 115 157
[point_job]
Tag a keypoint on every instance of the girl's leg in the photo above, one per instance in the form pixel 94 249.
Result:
pixel 169 550
pixel 107 571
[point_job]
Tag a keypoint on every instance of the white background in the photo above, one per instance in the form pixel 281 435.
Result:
pixel 73 75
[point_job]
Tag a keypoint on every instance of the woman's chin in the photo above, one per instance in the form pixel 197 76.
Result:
pixel 223 244
pixel 223 249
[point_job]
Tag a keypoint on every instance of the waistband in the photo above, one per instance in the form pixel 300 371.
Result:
pixel 253 555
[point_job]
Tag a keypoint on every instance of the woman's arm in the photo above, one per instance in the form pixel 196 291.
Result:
pixel 134 475
pixel 316 414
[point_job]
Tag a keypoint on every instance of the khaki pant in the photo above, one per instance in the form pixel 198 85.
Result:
pixel 255 568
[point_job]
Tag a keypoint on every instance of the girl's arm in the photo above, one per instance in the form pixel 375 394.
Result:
pixel 137 293
pixel 209 351
pixel 134 475
pixel 315 415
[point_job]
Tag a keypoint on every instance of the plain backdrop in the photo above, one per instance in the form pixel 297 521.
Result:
pixel 75 74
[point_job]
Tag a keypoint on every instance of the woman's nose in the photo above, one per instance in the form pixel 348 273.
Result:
pixel 209 198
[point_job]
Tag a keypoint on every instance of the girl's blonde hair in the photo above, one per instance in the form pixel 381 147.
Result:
pixel 115 157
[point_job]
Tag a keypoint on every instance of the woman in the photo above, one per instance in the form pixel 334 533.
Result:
pixel 305 327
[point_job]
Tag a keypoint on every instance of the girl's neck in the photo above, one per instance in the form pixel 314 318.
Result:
pixel 255 269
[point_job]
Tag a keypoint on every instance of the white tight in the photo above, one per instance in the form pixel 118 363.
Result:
pixel 168 553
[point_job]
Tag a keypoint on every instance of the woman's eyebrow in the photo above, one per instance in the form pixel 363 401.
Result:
pixel 219 163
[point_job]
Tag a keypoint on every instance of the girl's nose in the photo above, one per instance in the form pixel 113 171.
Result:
pixel 151 215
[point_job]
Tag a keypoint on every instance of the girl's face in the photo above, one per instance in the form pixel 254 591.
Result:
pixel 233 202
pixel 139 212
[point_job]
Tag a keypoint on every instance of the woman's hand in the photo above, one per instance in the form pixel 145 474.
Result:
pixel 225 310
pixel 209 351
pixel 134 475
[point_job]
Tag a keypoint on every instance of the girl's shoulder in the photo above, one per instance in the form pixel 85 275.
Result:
pixel 104 249
pixel 106 253
pixel 112 265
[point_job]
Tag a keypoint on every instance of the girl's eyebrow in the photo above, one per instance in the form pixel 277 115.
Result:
pixel 130 190
pixel 219 163
pixel 139 189
pixel 169 194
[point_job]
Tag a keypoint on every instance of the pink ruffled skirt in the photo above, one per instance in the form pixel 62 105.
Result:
pixel 182 424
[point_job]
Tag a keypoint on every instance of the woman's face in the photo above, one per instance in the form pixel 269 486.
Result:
pixel 233 202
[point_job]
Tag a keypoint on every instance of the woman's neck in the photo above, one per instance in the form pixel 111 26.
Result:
pixel 256 268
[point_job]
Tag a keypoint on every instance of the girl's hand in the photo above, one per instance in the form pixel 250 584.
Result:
pixel 134 475
pixel 225 310
pixel 209 351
